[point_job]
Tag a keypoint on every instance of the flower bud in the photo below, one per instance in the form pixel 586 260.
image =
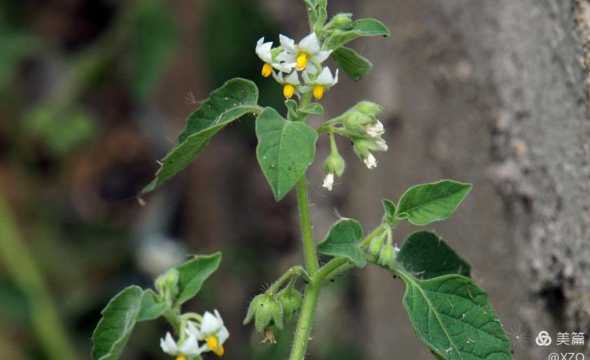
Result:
pixel 167 284
pixel 335 164
pixel 290 299
pixel 266 311
pixel 386 256
pixel 369 108
pixel 355 122
pixel 339 21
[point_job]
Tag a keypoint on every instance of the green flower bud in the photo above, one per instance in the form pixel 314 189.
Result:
pixel 355 122
pixel 290 299
pixel 369 108
pixel 167 284
pixel 335 164
pixel 386 256
pixel 339 21
pixel 266 311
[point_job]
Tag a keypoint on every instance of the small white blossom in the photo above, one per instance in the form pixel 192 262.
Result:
pixel 308 50
pixel 212 331
pixel 370 161
pixel 376 130
pixel 329 181
pixel 264 52
pixel 318 85
pixel 290 83
pixel 380 145
pixel 189 347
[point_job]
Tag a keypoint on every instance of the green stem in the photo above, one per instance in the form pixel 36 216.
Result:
pixel 312 292
pixel 21 266
pixel 309 251
pixel 295 271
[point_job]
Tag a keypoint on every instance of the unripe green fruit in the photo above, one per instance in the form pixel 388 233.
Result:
pixel 291 300
pixel 266 311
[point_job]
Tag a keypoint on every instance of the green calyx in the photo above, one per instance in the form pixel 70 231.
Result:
pixel 335 164
pixel 267 311
pixel 290 299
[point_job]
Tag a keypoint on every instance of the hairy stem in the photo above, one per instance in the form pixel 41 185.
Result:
pixel 292 273
pixel 312 292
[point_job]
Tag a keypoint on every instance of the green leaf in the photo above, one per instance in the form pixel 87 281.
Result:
pixel 153 31
pixel 389 209
pixel 193 273
pixel 358 28
pixel 425 256
pixel 454 318
pixel 151 307
pixel 343 240
pixel 117 322
pixel 285 150
pixel 352 63
pixel 237 97
pixel 225 103
pixel 427 203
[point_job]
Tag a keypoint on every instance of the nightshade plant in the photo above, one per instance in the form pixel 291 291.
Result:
pixel 447 310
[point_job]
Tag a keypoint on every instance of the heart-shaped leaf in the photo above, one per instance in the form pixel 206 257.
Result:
pixel 343 240
pixel 285 150
pixel 425 256
pixel 427 203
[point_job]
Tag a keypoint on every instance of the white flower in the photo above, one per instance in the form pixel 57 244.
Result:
pixel 375 130
pixel 264 52
pixel 308 50
pixel 212 331
pixel 319 84
pixel 329 181
pixel 380 145
pixel 189 347
pixel 290 83
pixel 370 161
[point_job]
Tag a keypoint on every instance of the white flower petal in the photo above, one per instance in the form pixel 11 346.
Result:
pixel 210 324
pixel 284 67
pixel 223 335
pixel 292 78
pixel 310 44
pixel 190 346
pixel 381 145
pixel 193 330
pixel 370 161
pixel 322 56
pixel 278 76
pixel 168 345
pixel 287 43
pixel 326 78
pixel 263 50
pixel 329 181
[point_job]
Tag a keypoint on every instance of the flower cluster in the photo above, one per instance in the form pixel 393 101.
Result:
pixel 198 335
pixel 297 66
pixel 361 126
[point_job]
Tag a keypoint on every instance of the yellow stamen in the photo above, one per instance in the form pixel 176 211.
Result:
pixel 181 357
pixel 301 61
pixel 215 346
pixel 318 91
pixel 288 91
pixel 266 70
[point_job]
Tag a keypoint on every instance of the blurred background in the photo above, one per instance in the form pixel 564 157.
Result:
pixel 92 93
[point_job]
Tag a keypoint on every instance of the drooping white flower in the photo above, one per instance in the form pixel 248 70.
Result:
pixel 376 129
pixel 189 347
pixel 308 50
pixel 370 161
pixel 329 181
pixel 290 83
pixel 212 331
pixel 380 145
pixel 265 53
pixel 320 83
